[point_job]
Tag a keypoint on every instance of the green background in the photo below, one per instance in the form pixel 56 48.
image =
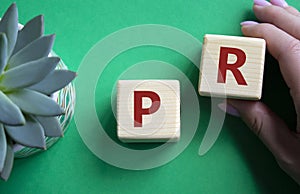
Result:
pixel 238 162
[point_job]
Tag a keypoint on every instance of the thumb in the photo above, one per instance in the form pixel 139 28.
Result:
pixel 274 133
pixel 280 140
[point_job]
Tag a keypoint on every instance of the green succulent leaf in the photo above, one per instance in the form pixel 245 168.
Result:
pixel 9 26
pixel 3 147
pixel 51 126
pixel 37 49
pixel 8 164
pixel 31 134
pixel 3 51
pixel 10 113
pixel 30 32
pixel 55 81
pixel 35 103
pixel 28 74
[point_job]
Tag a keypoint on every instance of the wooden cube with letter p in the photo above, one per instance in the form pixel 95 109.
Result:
pixel 148 110
pixel 232 67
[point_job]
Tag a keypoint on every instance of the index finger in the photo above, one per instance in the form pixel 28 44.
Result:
pixel 283 18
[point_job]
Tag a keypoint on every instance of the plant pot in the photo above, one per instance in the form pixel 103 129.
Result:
pixel 66 99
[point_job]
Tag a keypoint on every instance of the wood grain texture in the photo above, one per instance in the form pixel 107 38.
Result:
pixel 160 126
pixel 251 70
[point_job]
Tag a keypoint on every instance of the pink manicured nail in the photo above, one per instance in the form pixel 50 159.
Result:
pixel 248 23
pixel 261 2
pixel 280 3
pixel 229 109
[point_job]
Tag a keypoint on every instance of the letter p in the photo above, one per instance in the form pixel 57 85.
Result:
pixel 139 111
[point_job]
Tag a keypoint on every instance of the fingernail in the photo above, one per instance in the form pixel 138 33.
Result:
pixel 229 109
pixel 280 3
pixel 248 23
pixel 261 2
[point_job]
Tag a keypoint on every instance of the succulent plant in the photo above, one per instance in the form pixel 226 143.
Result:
pixel 28 78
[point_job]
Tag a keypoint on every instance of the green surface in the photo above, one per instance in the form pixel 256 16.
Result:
pixel 238 162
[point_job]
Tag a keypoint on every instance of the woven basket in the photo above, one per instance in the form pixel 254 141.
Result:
pixel 66 99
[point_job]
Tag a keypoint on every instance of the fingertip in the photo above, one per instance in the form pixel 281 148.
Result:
pixel 249 30
pixel 248 23
pixel 286 6
pixel 240 105
pixel 257 8
pixel 248 26
pixel 280 3
pixel 227 108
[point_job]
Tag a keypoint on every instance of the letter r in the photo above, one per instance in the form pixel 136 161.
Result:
pixel 224 66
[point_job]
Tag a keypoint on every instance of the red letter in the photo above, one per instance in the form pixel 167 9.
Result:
pixel 139 111
pixel 223 65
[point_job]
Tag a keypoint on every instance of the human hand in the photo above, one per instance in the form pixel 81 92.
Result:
pixel 281 30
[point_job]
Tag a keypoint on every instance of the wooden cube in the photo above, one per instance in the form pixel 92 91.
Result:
pixel 232 67
pixel 148 110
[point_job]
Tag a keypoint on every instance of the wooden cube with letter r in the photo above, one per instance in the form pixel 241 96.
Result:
pixel 148 110
pixel 232 67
